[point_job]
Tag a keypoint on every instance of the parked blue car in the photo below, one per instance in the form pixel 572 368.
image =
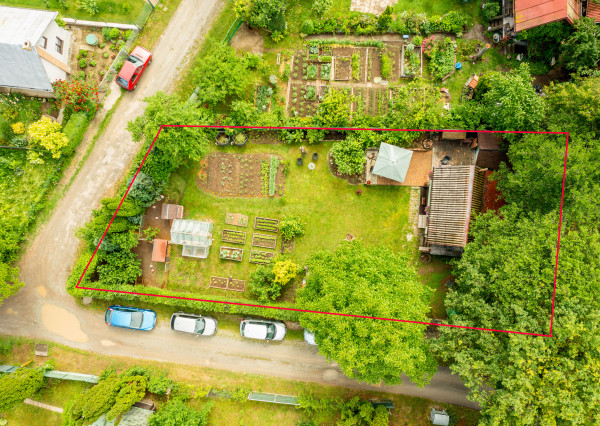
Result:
pixel 128 317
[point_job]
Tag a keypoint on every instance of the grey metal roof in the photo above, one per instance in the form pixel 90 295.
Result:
pixel 22 68
pixel 18 25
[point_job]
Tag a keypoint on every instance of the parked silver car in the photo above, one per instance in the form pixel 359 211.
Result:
pixel 262 329
pixel 198 325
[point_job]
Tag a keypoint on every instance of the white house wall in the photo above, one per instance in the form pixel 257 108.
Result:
pixel 52 32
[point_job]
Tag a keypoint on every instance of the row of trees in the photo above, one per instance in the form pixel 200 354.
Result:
pixel 505 279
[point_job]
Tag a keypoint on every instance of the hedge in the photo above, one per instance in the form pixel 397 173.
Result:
pixel 405 23
pixel 74 130
pixel 194 305
pixel 364 43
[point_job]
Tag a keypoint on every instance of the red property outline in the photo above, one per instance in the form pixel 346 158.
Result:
pixel 338 313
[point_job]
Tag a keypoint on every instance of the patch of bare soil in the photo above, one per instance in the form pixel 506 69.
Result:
pixel 375 62
pixel 237 175
pixel 343 68
pixel 248 40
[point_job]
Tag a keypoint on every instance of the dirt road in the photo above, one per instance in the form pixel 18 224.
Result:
pixel 44 310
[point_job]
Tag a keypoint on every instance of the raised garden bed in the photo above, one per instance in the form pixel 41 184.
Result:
pixel 311 93
pixel 343 68
pixel 236 219
pixel 265 241
pixel 231 253
pixel 266 224
pixel 261 257
pixel 412 61
pixel 227 283
pixel 287 246
pixel 240 139
pixel 326 72
pixel 235 237
pixel 222 138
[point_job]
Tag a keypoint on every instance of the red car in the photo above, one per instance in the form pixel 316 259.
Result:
pixel 133 68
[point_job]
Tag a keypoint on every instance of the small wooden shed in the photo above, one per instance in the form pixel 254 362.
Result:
pixel 159 250
pixel 489 153
pixel 455 195
pixel 171 211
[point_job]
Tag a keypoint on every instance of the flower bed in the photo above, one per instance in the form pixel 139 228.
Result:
pixel 236 219
pixel 441 54
pixel 261 257
pixel 266 224
pixel 265 241
pixel 235 237
pixel 231 253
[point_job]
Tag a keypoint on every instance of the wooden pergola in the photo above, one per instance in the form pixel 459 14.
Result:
pixel 455 195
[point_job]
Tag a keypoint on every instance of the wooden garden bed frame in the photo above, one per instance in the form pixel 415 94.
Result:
pixel 230 284
pixel 232 248
pixel 275 223
pixel 271 238
pixel 224 238
pixel 269 256
pixel 236 219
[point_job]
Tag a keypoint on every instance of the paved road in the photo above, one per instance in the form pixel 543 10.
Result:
pixel 44 310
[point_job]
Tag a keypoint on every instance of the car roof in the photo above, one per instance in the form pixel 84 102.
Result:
pixel 127 70
pixel 120 318
pixel 255 330
pixel 185 324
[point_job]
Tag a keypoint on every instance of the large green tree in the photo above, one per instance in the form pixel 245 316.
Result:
pixel 220 74
pixel 581 51
pixel 268 14
pixel 509 100
pixel 505 281
pixel 375 282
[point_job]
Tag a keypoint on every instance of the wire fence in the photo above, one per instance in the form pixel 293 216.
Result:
pixel 120 58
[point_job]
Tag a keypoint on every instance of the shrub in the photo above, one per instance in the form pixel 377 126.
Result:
pixel 291 227
pixel 89 6
pixel 18 128
pixel 92 63
pixel 349 155
pixel 127 34
pixel 126 8
pixel 307 27
pixel 386 66
pixel 284 271
pixel 144 189
pixel 105 55
pixel 262 284
pixel 77 96
pixel 175 412
pixel 82 54
pixel 106 33
pixel 114 33
pixel 490 10
pixel 74 130
pixel 321 6
pixel 46 134
pixel 82 63
pixel 17 386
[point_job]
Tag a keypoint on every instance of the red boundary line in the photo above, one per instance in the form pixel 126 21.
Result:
pixel 338 313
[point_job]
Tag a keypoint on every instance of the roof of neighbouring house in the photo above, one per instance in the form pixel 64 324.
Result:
pixel 171 211
pixel 456 193
pixel 533 13
pixel 159 250
pixel 392 162
pixel 593 11
pixel 22 67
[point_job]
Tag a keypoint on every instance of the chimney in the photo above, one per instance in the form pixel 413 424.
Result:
pixel 27 45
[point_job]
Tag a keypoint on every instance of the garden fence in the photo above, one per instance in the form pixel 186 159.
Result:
pixel 120 58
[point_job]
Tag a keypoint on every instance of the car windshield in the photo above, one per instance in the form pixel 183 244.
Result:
pixel 270 331
pixel 200 324
pixel 122 82
pixel 135 60
pixel 136 320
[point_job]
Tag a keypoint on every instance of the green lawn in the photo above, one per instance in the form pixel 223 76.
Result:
pixel 438 7
pixel 123 11
pixel 330 207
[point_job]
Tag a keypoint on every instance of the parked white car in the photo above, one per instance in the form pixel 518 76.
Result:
pixel 198 325
pixel 262 329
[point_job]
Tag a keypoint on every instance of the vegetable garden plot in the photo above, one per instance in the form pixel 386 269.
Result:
pixel 235 237
pixel 266 224
pixel 227 283
pixel 261 257
pixel 412 61
pixel 265 241
pixel 342 68
pixel 231 253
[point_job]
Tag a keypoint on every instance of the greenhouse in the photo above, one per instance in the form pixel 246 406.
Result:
pixel 195 236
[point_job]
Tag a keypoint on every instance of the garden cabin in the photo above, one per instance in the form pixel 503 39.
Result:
pixel 489 154
pixel 34 51
pixel 455 195
pixel 195 236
